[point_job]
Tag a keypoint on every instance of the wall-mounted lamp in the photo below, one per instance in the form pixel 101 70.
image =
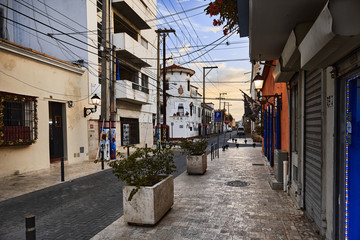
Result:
pixel 95 101
pixel 258 82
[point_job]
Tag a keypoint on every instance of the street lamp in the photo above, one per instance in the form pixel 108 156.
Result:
pixel 95 101
pixel 258 84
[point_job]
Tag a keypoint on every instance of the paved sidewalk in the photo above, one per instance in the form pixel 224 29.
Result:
pixel 206 208
pixel 18 185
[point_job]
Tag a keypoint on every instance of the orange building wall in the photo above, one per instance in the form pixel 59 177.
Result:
pixel 271 88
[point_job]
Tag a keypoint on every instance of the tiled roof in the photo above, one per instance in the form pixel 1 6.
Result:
pixel 174 66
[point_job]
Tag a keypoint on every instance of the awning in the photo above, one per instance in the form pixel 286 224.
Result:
pixel 289 62
pixel 334 34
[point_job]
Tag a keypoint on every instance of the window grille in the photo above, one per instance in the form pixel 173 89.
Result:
pixel 18 119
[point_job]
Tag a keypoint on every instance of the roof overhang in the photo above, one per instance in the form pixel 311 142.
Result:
pixel 271 22
pixel 289 62
pixel 334 34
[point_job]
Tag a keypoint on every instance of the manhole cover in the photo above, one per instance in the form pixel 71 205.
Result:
pixel 258 164
pixel 237 183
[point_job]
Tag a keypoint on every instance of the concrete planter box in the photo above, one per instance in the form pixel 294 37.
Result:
pixel 196 164
pixel 149 204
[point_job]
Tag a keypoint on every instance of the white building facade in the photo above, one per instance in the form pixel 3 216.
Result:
pixel 183 107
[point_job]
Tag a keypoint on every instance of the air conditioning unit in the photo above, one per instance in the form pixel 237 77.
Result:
pixel 279 157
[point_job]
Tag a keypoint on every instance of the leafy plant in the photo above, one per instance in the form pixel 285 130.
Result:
pixel 144 167
pixel 194 147
pixel 227 13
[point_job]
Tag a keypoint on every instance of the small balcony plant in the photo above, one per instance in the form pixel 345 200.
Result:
pixel 196 159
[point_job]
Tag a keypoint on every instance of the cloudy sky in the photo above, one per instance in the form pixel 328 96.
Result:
pixel 198 44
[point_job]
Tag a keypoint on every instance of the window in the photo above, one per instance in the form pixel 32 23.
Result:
pixel 198 112
pixel 2 34
pixel 144 83
pixel 129 131
pixel 18 119
pixel 181 109
pixel 144 43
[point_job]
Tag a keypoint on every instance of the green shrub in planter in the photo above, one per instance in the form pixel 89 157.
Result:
pixel 144 167
pixel 194 147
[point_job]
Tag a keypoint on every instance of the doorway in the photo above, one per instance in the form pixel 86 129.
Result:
pixel 352 163
pixel 56 134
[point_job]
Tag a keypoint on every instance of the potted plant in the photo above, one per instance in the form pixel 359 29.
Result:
pixel 149 193
pixel 196 159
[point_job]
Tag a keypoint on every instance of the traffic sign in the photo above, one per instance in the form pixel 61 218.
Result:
pixel 227 121
pixel 218 116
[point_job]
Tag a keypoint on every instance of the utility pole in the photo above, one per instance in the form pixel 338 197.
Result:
pixel 164 33
pixel 220 108
pixel 203 105
pixel 105 84
pixel 228 104
pixel 158 80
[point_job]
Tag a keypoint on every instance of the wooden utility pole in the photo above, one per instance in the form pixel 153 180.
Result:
pixel 220 108
pixel 158 80
pixel 164 33
pixel 203 105
pixel 105 83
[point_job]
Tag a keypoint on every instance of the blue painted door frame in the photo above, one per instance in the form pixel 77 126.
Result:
pixel 353 147
pixel 265 133
pixel 271 131
pixel 277 128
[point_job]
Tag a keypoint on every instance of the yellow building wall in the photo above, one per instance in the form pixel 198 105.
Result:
pixel 28 75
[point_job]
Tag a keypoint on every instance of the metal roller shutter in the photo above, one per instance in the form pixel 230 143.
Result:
pixel 313 145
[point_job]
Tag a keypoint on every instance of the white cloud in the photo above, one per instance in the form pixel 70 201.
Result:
pixel 185 49
pixel 212 29
pixel 181 1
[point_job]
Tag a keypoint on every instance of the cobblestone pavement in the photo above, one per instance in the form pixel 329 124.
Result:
pixel 76 209
pixel 206 208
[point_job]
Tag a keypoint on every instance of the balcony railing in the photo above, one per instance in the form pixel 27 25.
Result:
pixel 131 50
pixel 132 92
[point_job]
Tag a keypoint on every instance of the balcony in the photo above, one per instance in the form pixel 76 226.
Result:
pixel 131 50
pixel 133 11
pixel 132 92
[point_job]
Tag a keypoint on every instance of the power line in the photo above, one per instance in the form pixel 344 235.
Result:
pixel 209 49
pixel 227 44
pixel 47 25
pixel 170 15
pixel 226 60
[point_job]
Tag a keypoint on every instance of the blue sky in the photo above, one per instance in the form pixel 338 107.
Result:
pixel 195 29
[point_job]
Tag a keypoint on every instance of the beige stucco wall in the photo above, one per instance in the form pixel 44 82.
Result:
pixel 24 75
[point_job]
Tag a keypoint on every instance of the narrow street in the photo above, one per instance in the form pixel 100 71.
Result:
pixel 76 209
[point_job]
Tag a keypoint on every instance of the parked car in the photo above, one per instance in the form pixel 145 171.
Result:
pixel 240 131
